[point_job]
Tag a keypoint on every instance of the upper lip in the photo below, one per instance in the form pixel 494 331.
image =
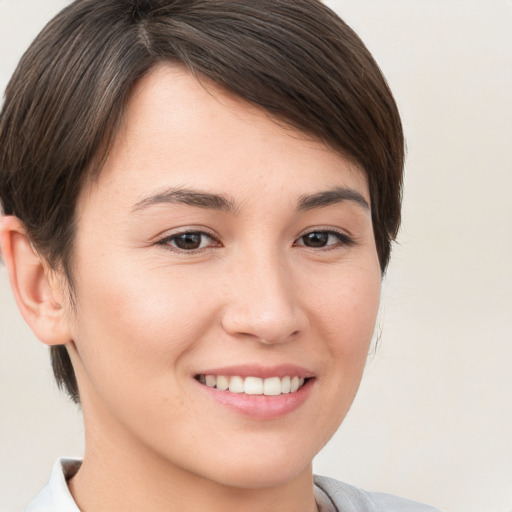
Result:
pixel 263 372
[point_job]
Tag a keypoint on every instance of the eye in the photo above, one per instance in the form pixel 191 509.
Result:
pixel 188 241
pixel 320 239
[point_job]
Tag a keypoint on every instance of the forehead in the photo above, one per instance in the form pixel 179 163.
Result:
pixel 189 131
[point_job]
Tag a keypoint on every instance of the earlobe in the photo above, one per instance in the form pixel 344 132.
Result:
pixel 36 291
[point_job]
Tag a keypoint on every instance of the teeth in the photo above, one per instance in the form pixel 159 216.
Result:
pixel 236 385
pixel 253 386
pixel 222 383
pixel 271 386
pixel 286 385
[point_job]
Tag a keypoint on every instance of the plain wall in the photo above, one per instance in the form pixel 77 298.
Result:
pixel 433 419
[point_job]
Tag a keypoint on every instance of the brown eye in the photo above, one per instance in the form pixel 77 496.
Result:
pixel 188 241
pixel 316 239
pixel 324 239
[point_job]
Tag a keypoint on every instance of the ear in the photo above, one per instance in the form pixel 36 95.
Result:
pixel 36 289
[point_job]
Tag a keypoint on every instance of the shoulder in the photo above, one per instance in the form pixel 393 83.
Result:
pixel 347 498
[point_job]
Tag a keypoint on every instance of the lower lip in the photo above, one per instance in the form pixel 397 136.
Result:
pixel 261 407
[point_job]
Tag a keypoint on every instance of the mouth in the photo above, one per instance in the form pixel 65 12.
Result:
pixel 258 392
pixel 250 385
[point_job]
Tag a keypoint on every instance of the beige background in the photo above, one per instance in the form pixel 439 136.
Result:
pixel 433 420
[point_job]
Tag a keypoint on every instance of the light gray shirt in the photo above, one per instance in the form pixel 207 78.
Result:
pixel 330 495
pixel 334 496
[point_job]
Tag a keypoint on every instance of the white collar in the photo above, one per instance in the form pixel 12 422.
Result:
pixel 55 496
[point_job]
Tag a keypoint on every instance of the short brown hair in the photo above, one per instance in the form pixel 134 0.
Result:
pixel 294 58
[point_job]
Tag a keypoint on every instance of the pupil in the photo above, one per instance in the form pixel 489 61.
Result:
pixel 188 241
pixel 316 239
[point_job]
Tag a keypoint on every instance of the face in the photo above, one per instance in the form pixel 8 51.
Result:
pixel 219 249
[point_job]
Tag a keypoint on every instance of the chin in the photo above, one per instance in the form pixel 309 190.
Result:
pixel 261 476
pixel 265 469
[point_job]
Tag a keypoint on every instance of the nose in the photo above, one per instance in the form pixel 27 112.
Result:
pixel 263 301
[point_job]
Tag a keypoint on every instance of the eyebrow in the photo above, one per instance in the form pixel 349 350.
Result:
pixel 208 200
pixel 188 197
pixel 330 197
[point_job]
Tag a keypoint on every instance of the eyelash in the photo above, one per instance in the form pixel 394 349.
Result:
pixel 344 240
pixel 168 240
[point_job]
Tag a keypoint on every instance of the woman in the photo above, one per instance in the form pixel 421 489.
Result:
pixel 199 200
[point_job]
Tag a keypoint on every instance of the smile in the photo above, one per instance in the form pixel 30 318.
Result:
pixel 271 386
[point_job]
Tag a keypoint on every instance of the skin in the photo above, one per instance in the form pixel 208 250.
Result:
pixel 150 316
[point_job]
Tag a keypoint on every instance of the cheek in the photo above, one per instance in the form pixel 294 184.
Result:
pixel 346 307
pixel 343 311
pixel 346 312
pixel 135 327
